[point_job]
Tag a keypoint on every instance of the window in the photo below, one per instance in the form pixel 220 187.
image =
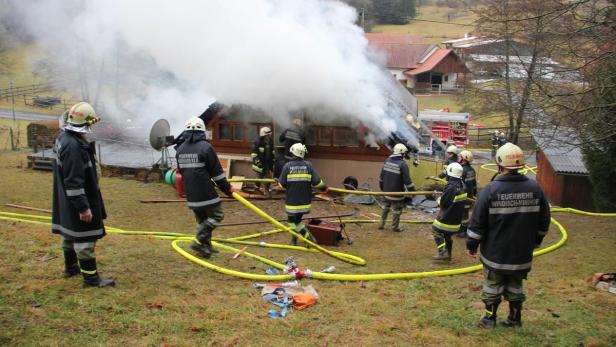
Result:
pixel 311 135
pixel 224 131
pixel 238 132
pixel 446 78
pixel 345 137
pixel 324 136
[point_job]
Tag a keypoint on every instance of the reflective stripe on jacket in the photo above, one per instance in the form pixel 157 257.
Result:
pixel 395 177
pixel 452 204
pixel 298 177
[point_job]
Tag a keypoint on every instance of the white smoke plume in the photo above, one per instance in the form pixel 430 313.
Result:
pixel 173 58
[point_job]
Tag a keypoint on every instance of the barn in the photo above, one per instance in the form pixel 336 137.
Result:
pixel 561 171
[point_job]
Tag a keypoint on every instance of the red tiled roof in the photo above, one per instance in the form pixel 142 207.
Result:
pixel 430 63
pixel 401 56
pixel 389 39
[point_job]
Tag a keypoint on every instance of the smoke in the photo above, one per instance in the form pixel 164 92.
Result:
pixel 147 59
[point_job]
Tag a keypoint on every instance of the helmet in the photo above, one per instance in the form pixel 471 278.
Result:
pixel 80 117
pixel 496 132
pixel 400 149
pixel 466 155
pixel 454 170
pixel 298 150
pixel 298 122
pixel 501 134
pixel 265 131
pixel 510 156
pixel 195 123
pixel 452 149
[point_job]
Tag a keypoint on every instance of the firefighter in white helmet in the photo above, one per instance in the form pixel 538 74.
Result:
pixel 78 209
pixel 299 177
pixel 395 177
pixel 470 181
pixel 263 157
pixel 452 157
pixel 494 142
pixel 200 168
pixel 510 219
pixel 449 217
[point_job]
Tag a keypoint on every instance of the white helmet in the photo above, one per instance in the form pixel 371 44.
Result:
pixel 265 131
pixel 400 149
pixel 452 149
pixel 466 155
pixel 298 121
pixel 510 156
pixel 298 150
pixel 80 117
pixel 454 170
pixel 195 123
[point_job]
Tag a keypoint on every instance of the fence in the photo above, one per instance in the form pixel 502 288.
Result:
pixel 482 137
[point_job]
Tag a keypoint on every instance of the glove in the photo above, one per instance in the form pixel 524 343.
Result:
pixel 230 192
pixel 416 162
pixel 257 162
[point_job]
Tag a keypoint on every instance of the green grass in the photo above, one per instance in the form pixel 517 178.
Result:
pixel 434 32
pixel 20 72
pixel 201 307
pixel 19 127
pixel 437 102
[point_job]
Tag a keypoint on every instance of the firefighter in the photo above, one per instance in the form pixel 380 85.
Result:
pixel 470 182
pixel 452 157
pixel 78 208
pixel 200 169
pixel 502 139
pixel 395 177
pixel 298 177
pixel 494 142
pixel 263 158
pixel 289 137
pixel 510 219
pixel 451 211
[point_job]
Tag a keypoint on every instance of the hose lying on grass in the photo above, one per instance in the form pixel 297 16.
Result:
pixel 179 238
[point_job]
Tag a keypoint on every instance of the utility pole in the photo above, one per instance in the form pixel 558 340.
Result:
pixel 14 144
pixel 363 18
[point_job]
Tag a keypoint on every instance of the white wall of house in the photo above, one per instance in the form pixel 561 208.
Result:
pixel 399 75
pixel 450 83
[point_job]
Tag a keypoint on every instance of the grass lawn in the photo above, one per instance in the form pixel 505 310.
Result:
pixel 434 32
pixel 437 102
pixel 161 299
pixel 20 126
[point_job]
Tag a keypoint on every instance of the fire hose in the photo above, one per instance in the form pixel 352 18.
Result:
pixel 179 238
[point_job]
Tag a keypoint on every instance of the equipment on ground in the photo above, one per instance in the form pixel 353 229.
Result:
pixel 160 140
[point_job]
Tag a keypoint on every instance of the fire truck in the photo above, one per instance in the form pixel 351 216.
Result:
pixel 449 127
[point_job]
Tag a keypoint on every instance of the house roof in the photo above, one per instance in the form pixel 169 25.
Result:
pixel 402 56
pixel 389 39
pixel 561 148
pixel 429 62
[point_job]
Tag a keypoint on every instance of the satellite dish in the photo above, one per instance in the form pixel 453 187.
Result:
pixel 160 130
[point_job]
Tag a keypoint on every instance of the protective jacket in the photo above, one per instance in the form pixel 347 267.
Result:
pixel 298 177
pixel 291 136
pixel 75 189
pixel 448 161
pixel 452 203
pixel 262 155
pixel 470 180
pixel 199 166
pixel 395 177
pixel 510 218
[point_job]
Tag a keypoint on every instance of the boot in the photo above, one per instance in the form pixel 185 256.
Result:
pixel 293 227
pixel 267 192
pixel 200 248
pixel 462 232
pixel 515 315
pixel 71 267
pixel 383 218
pixel 489 318
pixel 91 277
pixel 203 240
pixel 395 223
pixel 449 245
pixel 441 245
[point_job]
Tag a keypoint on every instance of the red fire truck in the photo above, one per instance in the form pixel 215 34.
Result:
pixel 449 127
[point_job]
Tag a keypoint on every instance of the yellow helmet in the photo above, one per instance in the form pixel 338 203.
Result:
pixel 510 156
pixel 80 117
pixel 400 149
pixel 466 155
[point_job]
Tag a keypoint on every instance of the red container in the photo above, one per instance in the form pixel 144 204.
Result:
pixel 326 233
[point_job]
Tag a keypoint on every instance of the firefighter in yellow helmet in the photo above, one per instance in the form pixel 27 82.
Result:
pixel 510 219
pixel 78 210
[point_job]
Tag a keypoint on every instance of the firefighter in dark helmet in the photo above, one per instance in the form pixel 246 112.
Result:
pixel 395 177
pixel 263 157
pixel 449 217
pixel 292 135
pixel 200 169
pixel 78 210
pixel 510 219
pixel 298 177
